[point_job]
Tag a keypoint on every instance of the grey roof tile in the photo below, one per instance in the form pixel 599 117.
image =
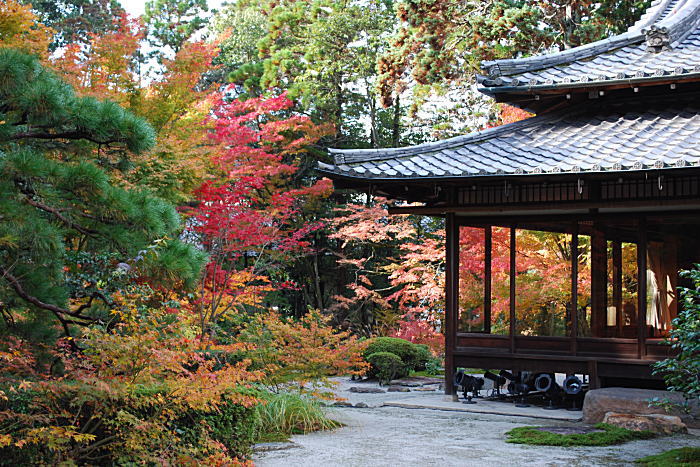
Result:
pixel 609 136
pixel 628 55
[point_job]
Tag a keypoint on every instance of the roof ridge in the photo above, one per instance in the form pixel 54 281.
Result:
pixel 343 156
pixel 672 29
pixel 654 13
pixel 658 28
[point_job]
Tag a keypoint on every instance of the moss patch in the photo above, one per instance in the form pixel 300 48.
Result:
pixel 682 457
pixel 427 374
pixel 604 435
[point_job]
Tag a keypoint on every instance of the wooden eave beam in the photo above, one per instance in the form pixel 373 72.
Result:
pixel 523 209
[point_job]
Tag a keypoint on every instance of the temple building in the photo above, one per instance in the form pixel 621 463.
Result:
pixel 565 232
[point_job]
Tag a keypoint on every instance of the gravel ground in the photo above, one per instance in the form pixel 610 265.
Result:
pixel 391 436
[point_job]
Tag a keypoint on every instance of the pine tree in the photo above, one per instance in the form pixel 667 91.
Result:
pixel 74 21
pixel 58 201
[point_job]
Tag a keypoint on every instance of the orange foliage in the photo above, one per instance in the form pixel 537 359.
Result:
pixel 126 390
pixel 17 360
pixel 416 275
pixel 367 227
pixel 171 97
pixel 223 296
pixel 420 331
pixel 509 114
pixel 304 351
pixel 105 69
pixel 178 108
pixel 174 103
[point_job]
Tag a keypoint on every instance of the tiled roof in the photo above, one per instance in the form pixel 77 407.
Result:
pixel 608 136
pixel 664 43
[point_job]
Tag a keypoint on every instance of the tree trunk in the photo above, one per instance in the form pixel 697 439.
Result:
pixel 373 138
pixel 317 284
pixel 338 109
pixel 396 124
pixel 317 279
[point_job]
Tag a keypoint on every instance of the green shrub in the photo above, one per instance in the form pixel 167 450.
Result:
pixel 284 414
pixel 435 366
pixel 681 372
pixel 608 435
pixel 386 366
pixel 423 357
pixel 413 356
pixel 22 404
pixel 232 425
pixel 682 457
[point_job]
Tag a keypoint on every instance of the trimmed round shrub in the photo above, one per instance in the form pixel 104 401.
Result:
pixel 386 366
pixel 413 356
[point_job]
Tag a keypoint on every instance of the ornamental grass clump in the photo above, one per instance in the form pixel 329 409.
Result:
pixel 283 414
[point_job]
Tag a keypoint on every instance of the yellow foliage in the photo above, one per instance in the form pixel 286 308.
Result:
pixel 20 28
pixel 55 437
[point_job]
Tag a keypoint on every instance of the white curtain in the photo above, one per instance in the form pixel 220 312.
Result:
pixel 661 294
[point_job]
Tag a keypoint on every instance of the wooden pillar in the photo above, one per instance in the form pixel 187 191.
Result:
pixel 593 378
pixel 599 273
pixel 451 251
pixel 642 291
pixel 574 290
pixel 487 279
pixel 617 287
pixel 512 289
pixel 670 269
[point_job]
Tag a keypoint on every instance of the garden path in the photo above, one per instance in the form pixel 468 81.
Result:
pixel 393 436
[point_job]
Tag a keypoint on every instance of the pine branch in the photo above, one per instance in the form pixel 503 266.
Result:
pixel 57 310
pixel 56 212
pixel 88 305
pixel 63 135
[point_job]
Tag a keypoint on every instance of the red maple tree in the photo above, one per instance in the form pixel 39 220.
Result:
pixel 250 217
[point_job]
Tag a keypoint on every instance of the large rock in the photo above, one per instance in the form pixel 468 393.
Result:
pixel 598 402
pixel 416 381
pixel 266 447
pixel 656 423
pixel 369 390
pixel 398 389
